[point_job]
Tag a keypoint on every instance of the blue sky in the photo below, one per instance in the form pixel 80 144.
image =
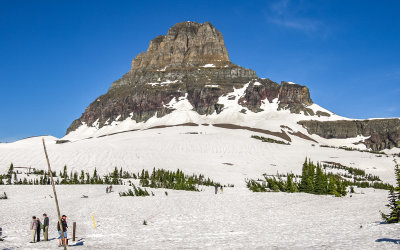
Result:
pixel 58 56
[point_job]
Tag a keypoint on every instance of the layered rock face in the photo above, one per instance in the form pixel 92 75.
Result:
pixel 294 97
pixel 382 133
pixel 187 44
pixel 192 61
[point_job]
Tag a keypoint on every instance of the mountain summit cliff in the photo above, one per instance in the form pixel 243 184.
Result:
pixel 186 44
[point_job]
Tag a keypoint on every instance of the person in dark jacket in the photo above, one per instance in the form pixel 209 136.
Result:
pixel 39 224
pixel 65 228
pixel 45 227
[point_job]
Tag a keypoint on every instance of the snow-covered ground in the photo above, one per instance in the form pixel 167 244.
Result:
pixel 236 219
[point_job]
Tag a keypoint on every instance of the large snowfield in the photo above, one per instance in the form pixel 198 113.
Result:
pixel 234 219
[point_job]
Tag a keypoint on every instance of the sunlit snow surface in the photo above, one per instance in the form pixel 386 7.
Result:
pixel 235 219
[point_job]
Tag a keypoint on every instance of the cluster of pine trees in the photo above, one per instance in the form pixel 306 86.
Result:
pixel 177 180
pixel 313 180
pixel 8 176
pixel 394 200
pixel 355 173
pixel 264 139
pixel 359 177
pixel 355 149
pixel 137 191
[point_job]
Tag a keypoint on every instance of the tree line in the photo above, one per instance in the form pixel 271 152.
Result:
pixel 158 178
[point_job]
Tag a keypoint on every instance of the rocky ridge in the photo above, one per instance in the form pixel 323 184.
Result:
pixel 382 133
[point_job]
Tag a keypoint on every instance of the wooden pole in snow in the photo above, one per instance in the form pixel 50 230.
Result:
pixel 55 195
pixel 73 231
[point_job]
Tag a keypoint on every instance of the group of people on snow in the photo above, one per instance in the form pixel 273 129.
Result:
pixel 36 226
pixel 221 189
pixel 108 189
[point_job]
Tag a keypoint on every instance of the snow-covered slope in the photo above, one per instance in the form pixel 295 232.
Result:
pixel 197 149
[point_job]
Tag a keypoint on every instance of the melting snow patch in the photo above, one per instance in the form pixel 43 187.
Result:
pixel 167 82
pixel 212 86
pixel 208 65
pixel 163 69
pixel 257 84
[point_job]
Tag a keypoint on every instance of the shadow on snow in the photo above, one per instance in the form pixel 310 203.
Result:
pixel 388 240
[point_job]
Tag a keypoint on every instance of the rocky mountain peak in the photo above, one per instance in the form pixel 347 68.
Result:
pixel 187 44
pixel 189 63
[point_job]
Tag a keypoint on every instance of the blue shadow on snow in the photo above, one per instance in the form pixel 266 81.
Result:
pixel 388 240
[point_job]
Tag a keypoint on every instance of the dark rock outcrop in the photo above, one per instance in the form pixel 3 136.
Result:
pixel 382 133
pixel 294 97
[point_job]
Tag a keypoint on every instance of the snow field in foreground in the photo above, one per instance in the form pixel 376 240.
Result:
pixel 237 218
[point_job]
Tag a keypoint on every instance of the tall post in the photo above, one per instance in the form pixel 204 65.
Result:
pixel 55 195
pixel 73 231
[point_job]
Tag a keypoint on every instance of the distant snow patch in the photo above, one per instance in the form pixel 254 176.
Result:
pixel 163 69
pixel 167 82
pixel 208 65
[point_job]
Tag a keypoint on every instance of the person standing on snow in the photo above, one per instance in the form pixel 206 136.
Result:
pixel 45 227
pixel 64 227
pixel 216 189
pixel 33 228
pixel 39 224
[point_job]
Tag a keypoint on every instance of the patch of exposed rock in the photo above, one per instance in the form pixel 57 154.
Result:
pixel 382 133
pixel 294 97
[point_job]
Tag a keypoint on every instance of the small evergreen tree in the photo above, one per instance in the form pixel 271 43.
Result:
pixel 82 177
pixel 393 216
pixel 9 174
pixel 394 200
pixel 332 185
pixel 320 181
pixel 307 178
